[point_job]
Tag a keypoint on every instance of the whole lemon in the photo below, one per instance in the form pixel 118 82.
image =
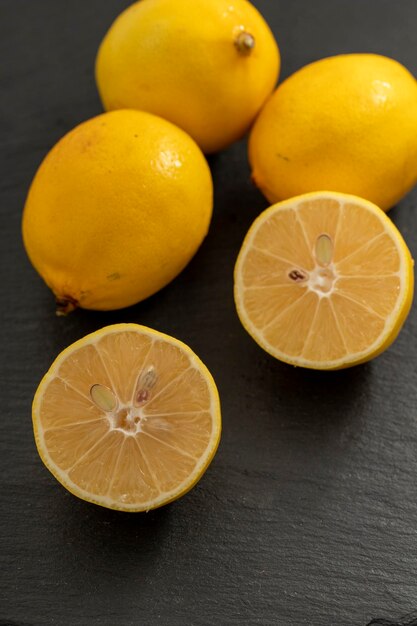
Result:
pixel 116 210
pixel 346 123
pixel 207 65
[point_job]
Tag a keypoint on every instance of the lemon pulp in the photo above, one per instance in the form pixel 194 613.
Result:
pixel 127 418
pixel 324 280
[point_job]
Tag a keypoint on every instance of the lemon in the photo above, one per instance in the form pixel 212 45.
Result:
pixel 324 281
pixel 127 418
pixel 206 65
pixel 346 123
pixel 116 210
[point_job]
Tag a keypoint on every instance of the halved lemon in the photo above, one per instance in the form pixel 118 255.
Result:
pixel 127 418
pixel 324 281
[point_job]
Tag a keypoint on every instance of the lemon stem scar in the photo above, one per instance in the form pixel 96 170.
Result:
pixel 245 42
pixel 65 305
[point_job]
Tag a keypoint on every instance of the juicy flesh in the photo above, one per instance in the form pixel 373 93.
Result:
pixel 320 280
pixel 127 418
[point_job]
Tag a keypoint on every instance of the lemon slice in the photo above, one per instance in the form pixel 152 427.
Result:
pixel 324 281
pixel 127 418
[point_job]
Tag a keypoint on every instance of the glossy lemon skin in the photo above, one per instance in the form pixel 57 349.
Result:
pixel 117 209
pixel 346 123
pixel 179 60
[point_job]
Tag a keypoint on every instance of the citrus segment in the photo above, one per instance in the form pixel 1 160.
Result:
pixel 293 323
pixel 95 468
pixel 127 418
pixel 292 235
pixel 323 280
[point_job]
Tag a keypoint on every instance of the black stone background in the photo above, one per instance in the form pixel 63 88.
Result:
pixel 308 514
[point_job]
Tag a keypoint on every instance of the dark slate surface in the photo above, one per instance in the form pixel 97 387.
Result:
pixel 308 514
